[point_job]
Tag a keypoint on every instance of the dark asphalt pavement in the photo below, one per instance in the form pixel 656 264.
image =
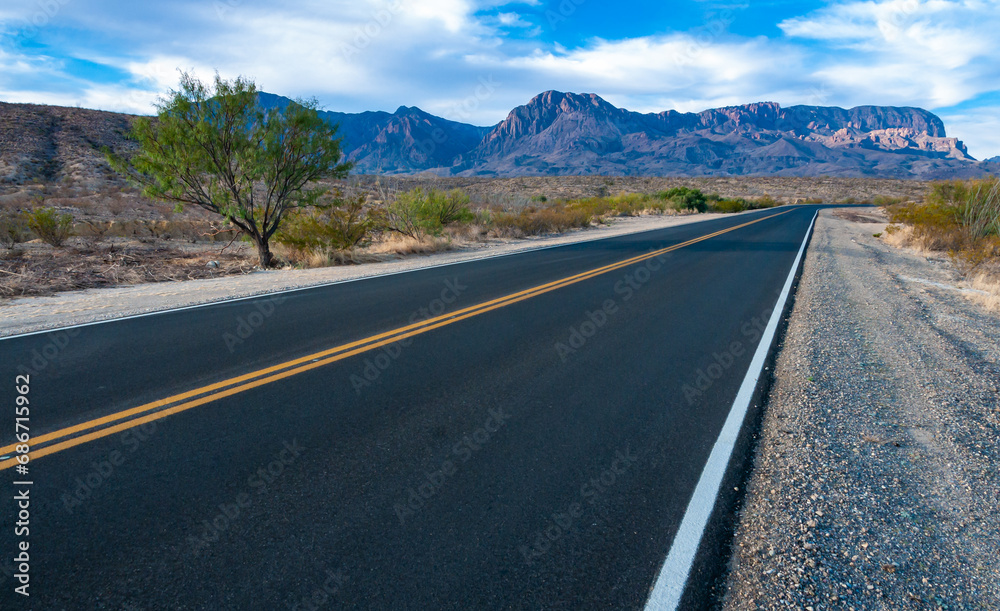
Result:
pixel 540 455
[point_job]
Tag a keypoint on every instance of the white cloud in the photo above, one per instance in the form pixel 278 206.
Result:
pixel 379 54
pixel 919 52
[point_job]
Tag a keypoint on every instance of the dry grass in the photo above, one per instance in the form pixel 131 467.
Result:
pixel 388 246
pixel 988 281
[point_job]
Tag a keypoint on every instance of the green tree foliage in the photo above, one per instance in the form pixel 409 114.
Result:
pixel 220 150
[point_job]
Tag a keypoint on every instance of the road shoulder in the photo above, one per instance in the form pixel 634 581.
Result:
pixel 877 472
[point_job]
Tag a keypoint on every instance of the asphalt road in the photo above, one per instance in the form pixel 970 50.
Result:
pixel 536 454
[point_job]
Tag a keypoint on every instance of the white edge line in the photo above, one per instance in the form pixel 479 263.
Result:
pixel 335 282
pixel 669 587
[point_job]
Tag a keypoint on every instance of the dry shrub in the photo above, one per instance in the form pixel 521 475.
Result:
pixel 539 221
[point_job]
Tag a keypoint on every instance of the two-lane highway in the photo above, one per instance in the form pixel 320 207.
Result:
pixel 525 431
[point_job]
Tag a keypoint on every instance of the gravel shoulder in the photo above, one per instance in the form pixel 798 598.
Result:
pixel 27 314
pixel 876 479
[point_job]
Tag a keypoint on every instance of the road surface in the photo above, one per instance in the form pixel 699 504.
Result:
pixel 525 431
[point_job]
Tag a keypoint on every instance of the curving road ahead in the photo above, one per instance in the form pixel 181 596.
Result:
pixel 525 431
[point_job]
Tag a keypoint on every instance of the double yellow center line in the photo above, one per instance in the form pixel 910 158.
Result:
pixel 156 410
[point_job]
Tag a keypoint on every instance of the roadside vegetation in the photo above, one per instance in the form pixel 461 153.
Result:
pixel 57 237
pixel 350 227
pixel 119 236
pixel 960 218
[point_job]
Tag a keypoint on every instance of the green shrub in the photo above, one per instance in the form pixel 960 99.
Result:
pixel 345 224
pixel 683 198
pixel 764 202
pixel 13 228
pixel 50 226
pixel 419 211
pixel 731 205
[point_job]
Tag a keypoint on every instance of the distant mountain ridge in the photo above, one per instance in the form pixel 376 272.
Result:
pixel 570 134
pixel 555 133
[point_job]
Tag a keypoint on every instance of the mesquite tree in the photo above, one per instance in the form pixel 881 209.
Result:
pixel 222 151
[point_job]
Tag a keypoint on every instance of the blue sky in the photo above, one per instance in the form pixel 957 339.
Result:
pixel 474 60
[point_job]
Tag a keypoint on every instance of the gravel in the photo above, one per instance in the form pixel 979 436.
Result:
pixel 877 473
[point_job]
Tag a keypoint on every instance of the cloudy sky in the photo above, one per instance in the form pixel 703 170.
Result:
pixel 474 60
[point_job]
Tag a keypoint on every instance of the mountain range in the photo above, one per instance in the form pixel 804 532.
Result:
pixel 572 134
pixel 553 134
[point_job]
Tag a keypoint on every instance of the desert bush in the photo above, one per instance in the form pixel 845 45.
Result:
pixel 417 211
pixel 50 226
pixel 537 221
pixel 345 223
pixel 962 218
pixel 730 205
pixel 764 202
pixel 13 228
pixel 683 198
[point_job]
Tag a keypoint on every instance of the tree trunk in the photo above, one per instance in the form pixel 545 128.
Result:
pixel 263 253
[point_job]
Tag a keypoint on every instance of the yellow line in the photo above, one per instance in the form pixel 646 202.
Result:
pixel 287 369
